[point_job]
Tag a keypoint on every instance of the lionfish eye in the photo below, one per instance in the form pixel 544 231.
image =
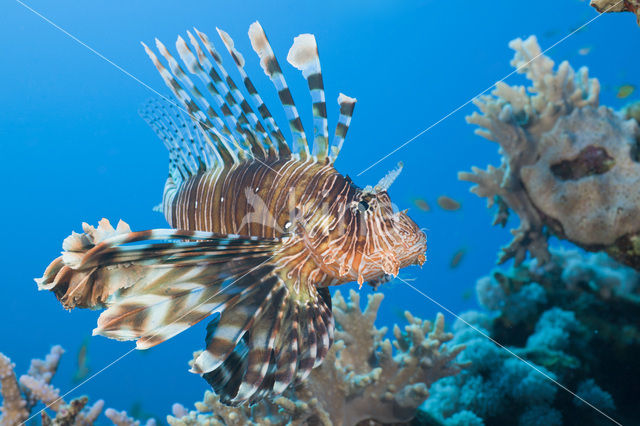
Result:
pixel 363 206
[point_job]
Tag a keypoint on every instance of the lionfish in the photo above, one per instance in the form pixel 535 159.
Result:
pixel 260 227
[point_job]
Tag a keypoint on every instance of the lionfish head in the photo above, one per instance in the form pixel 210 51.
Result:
pixel 393 240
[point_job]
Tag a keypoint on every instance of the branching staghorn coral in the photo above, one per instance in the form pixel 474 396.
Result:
pixel 617 6
pixel 361 378
pixel 569 167
pixel 35 387
pixel 14 406
pixel 19 397
pixel 121 418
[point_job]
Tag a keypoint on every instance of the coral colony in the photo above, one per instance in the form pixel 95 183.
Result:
pixel 361 379
pixel 568 318
pixel 618 6
pixel 570 169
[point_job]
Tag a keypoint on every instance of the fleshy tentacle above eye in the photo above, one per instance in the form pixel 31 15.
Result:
pixel 385 183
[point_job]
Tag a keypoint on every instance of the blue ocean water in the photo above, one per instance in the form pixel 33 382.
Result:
pixel 73 148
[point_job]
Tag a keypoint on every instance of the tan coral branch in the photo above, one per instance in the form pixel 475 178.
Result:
pixel 361 378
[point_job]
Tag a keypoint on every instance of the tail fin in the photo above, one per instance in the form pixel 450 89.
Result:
pixel 155 284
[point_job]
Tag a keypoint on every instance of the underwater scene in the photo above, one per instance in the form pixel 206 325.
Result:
pixel 411 212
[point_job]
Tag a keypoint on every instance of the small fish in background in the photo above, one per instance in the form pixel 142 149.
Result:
pixel 584 50
pixel 83 362
pixel 399 313
pixel 447 203
pixel 550 33
pixel 138 412
pixel 422 204
pixel 625 91
pixel 466 295
pixel 575 30
pixel 580 27
pixel 457 258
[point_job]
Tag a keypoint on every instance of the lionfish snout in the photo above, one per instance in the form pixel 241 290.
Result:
pixel 411 244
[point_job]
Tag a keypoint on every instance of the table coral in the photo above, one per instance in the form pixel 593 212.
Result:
pixel 569 167
pixel 361 378
pixel 583 333
pixel 618 6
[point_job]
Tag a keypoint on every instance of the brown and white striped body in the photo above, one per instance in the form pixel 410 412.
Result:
pixel 329 239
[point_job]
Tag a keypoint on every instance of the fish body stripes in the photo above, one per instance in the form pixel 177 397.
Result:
pixel 261 226
pixel 251 198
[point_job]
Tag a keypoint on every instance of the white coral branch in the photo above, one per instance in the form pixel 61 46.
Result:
pixel 14 407
pixel 43 392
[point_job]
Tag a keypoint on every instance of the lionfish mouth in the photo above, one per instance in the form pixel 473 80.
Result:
pixel 420 255
pixel 408 254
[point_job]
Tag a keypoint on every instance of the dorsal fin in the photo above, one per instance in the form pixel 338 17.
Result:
pixel 283 148
pixel 188 149
pixel 229 127
pixel 231 99
pixel 224 149
pixel 182 77
pixel 271 67
pixel 347 105
pixel 206 74
pixel 304 56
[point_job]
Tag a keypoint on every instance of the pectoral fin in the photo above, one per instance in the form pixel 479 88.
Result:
pixel 155 284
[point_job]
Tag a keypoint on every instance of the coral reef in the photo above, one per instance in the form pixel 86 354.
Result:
pixel 567 318
pixel 14 406
pixel 569 167
pixel 632 111
pixel 121 418
pixel 361 378
pixel 20 397
pixel 617 6
pixel 495 387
